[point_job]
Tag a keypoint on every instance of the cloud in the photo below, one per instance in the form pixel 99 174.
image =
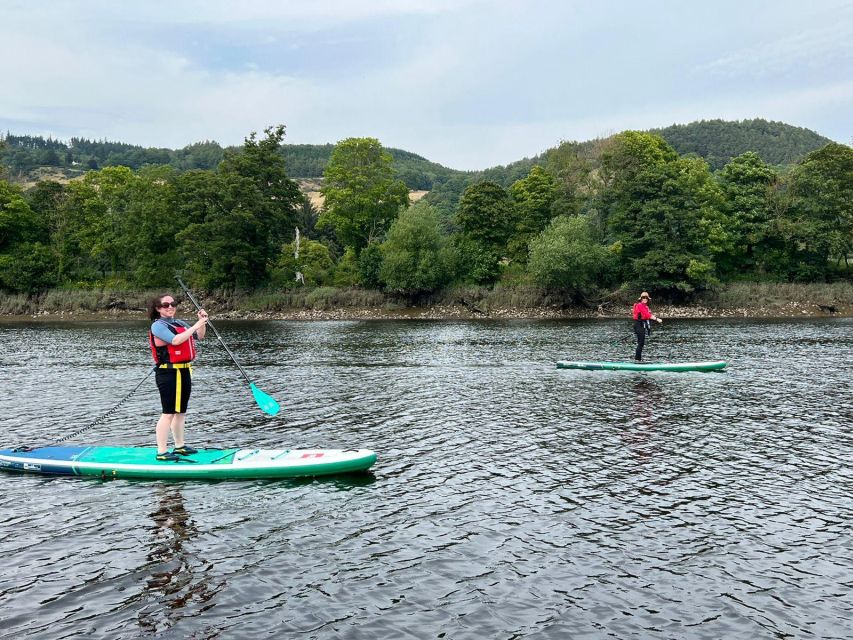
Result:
pixel 468 84
pixel 830 47
pixel 504 144
pixel 299 14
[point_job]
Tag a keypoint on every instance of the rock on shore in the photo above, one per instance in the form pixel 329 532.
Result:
pixel 460 312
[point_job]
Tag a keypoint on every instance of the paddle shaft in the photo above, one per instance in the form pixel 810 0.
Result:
pixel 215 332
pixel 630 337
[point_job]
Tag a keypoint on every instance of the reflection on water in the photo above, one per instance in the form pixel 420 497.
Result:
pixel 172 527
pixel 510 499
pixel 647 405
pixel 172 582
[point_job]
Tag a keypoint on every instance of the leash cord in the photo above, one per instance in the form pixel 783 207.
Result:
pixel 100 419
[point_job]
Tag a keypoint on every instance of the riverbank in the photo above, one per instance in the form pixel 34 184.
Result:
pixel 459 312
pixel 744 300
pixel 466 312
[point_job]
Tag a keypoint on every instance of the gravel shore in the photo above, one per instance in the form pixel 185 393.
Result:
pixel 460 312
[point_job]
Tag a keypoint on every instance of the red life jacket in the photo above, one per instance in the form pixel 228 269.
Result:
pixel 172 354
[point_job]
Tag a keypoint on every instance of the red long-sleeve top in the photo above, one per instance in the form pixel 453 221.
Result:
pixel 641 311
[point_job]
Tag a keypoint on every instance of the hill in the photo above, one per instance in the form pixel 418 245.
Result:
pixel 29 158
pixel 718 141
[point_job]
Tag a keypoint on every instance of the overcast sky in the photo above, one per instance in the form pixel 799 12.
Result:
pixel 466 83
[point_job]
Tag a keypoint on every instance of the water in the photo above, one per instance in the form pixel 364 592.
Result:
pixel 510 499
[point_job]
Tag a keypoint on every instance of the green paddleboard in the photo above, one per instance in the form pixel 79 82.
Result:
pixel 207 464
pixel 714 365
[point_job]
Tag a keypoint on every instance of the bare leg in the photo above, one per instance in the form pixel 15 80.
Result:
pixel 178 429
pixel 164 425
pixel 173 422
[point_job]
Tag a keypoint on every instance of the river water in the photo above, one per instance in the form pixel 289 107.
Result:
pixel 510 499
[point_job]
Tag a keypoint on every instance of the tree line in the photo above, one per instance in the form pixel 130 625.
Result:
pixel 716 141
pixel 23 154
pixel 629 212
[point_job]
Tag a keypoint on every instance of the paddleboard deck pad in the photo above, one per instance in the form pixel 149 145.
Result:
pixel 207 464
pixel 714 365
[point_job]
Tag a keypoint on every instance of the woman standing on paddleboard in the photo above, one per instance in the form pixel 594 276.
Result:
pixel 642 315
pixel 173 347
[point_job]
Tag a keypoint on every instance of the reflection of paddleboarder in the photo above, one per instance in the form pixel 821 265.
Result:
pixel 645 411
pixel 172 583
pixel 173 527
pixel 642 315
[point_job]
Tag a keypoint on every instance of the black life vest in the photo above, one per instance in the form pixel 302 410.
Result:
pixel 172 354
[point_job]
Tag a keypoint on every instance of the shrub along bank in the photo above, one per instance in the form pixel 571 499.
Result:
pixel 740 299
pixel 586 224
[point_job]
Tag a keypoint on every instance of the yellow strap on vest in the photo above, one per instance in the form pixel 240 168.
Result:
pixel 178 380
pixel 178 377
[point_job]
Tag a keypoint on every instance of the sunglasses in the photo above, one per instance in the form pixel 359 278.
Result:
pixel 164 305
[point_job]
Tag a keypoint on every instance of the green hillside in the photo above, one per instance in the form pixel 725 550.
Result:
pixel 26 157
pixel 583 221
pixel 718 141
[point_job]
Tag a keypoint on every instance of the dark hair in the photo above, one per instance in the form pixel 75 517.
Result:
pixel 153 313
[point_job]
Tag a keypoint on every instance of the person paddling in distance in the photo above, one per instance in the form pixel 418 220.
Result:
pixel 642 327
pixel 173 347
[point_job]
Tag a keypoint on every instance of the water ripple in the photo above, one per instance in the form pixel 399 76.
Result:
pixel 510 499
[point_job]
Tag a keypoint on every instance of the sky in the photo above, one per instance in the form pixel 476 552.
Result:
pixel 469 84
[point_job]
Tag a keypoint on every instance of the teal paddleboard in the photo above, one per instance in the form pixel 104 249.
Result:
pixel 207 464
pixel 714 365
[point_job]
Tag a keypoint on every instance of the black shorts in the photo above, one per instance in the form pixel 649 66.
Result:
pixel 175 387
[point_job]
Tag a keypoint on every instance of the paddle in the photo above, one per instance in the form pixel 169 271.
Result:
pixel 265 402
pixel 630 337
pixel 622 341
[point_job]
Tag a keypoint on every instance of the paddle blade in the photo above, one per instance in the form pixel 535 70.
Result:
pixel 265 402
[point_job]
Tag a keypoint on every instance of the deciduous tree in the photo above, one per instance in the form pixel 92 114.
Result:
pixel 533 198
pixel 414 256
pixel 240 216
pixel 747 184
pixel 362 197
pixel 568 256
pixel 818 220
pixel 664 212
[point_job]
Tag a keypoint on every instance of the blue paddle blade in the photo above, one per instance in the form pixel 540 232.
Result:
pixel 265 402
